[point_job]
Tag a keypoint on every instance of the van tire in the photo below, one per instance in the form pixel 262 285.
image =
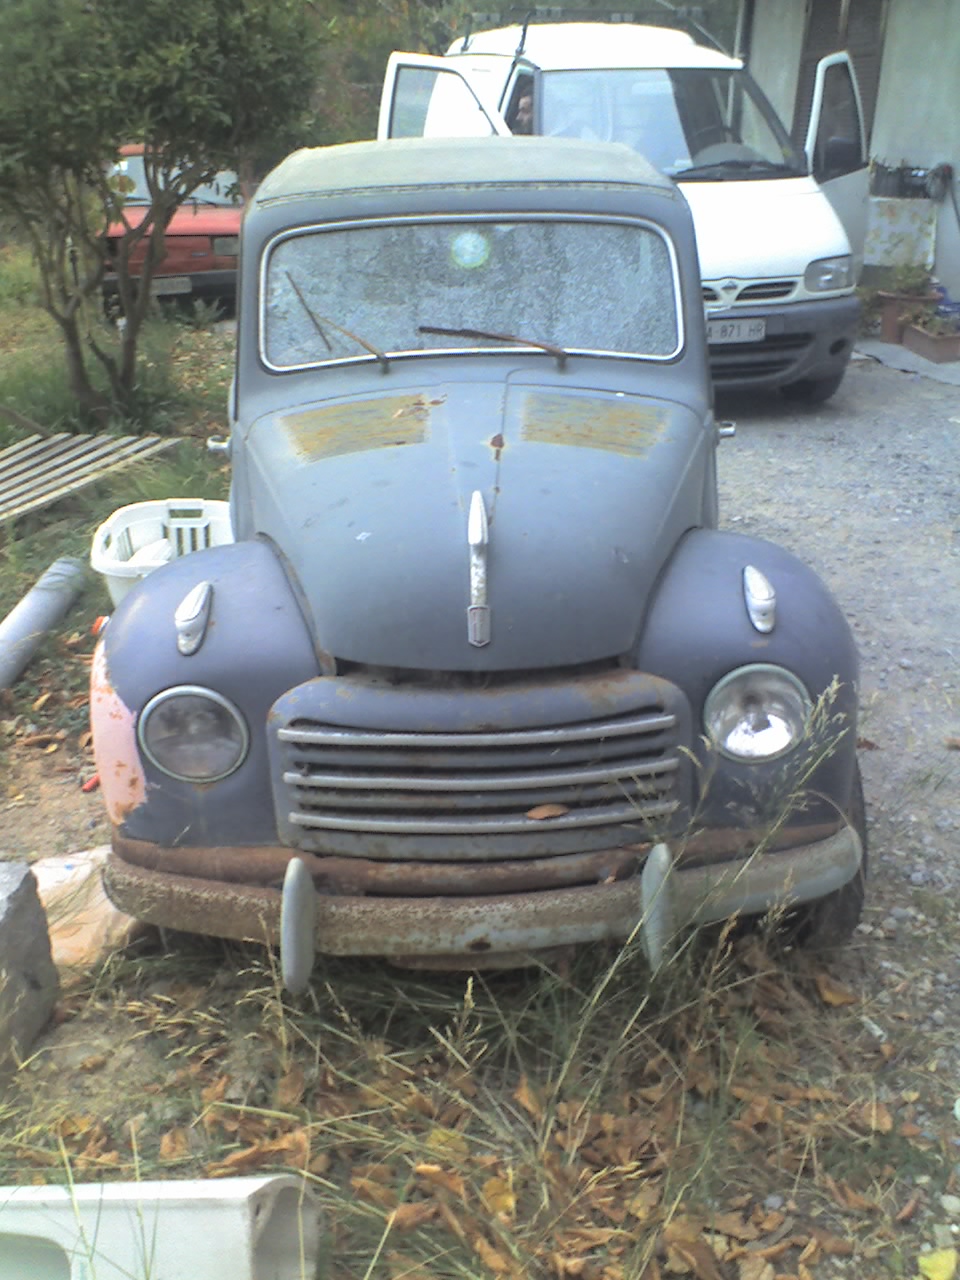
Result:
pixel 813 390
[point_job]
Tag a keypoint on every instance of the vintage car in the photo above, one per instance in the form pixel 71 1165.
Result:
pixel 479 676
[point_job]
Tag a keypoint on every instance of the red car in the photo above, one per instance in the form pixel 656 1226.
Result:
pixel 201 241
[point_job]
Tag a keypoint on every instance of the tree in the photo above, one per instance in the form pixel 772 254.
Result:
pixel 205 86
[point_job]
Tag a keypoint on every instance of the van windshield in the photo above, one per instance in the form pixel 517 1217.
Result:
pixel 335 293
pixel 690 123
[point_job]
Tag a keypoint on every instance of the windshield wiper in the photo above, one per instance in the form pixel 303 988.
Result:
pixel 558 353
pixel 319 321
pixel 737 169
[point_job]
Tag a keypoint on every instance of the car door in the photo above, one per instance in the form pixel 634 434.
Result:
pixel 427 96
pixel 836 147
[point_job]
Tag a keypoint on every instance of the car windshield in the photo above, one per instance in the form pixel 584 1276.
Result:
pixel 690 123
pixel 131 180
pixel 437 284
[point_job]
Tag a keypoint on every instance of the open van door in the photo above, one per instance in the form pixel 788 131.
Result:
pixel 836 147
pixel 426 96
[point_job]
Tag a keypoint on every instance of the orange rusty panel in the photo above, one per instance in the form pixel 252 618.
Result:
pixel 122 781
pixel 592 422
pixel 339 429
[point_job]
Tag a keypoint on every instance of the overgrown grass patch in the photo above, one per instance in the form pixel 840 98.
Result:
pixel 580 1119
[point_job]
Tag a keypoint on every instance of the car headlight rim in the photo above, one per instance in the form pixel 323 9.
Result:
pixel 232 749
pixel 757 713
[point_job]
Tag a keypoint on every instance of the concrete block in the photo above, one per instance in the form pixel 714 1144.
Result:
pixel 28 977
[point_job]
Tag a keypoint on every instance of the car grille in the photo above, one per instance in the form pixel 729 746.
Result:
pixel 759 291
pixel 488 791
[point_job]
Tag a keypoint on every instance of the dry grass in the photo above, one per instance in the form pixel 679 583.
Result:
pixel 746 1114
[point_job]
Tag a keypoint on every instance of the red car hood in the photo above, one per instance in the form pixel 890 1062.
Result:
pixel 189 220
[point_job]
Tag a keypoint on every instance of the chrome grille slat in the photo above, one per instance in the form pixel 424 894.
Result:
pixel 588 732
pixel 612 815
pixel 477 782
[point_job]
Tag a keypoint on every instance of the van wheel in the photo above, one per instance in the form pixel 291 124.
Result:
pixel 830 921
pixel 813 390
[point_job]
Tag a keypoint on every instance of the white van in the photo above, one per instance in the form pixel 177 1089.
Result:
pixel 780 230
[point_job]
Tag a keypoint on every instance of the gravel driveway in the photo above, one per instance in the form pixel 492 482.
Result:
pixel 865 489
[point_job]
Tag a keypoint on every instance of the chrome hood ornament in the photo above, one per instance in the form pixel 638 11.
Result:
pixel 478 613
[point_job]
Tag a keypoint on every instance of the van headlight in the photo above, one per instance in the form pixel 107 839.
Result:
pixel 757 713
pixel 193 734
pixel 827 274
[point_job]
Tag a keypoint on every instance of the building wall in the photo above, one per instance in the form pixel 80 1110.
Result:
pixel 775 44
pixel 917 121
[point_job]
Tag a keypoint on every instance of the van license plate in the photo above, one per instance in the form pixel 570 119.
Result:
pixel 170 284
pixel 736 331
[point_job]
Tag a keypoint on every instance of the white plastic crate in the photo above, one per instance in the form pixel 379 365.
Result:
pixel 144 535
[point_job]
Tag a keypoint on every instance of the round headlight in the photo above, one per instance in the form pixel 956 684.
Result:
pixel 757 713
pixel 193 734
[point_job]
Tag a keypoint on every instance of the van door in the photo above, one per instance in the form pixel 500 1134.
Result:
pixel 426 96
pixel 836 147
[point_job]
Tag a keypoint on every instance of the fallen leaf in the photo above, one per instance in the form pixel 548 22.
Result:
pixel 407 1217
pixel 498 1196
pixel 865 744
pixel 175 1144
pixel 528 1099
pixel 733 1224
pixel 94 1062
pixel 834 993
pixel 290 1087
pixel 490 1257
pixel 447 1142
pixel 875 1117
pixel 437 1176
pixel 952 744
pixel 541 811
pixel 940 1264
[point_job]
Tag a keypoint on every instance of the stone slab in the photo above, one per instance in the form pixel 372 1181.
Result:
pixel 29 983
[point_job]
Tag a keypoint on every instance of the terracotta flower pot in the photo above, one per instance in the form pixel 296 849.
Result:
pixel 894 307
pixel 938 347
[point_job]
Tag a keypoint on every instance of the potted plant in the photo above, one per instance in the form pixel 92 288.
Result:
pixel 910 287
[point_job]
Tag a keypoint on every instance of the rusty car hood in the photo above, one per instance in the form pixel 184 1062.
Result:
pixel 367 499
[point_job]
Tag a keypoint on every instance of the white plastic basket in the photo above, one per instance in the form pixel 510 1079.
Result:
pixel 139 538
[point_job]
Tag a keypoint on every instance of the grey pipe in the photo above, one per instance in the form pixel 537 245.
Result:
pixel 23 629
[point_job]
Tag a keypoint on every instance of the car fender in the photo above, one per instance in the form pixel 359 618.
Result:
pixel 697 630
pixel 255 646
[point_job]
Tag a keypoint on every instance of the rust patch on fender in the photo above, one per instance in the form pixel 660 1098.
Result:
pixel 122 781
pixel 335 430
pixel 592 422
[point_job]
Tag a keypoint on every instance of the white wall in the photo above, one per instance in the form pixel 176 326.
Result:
pixel 917 120
pixel 775 46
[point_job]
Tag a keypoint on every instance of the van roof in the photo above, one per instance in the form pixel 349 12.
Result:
pixel 568 46
pixel 463 162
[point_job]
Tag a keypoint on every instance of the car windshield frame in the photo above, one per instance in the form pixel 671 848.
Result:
pixel 489 311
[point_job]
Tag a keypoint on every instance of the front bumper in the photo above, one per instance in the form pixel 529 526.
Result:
pixel 487 929
pixel 804 340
